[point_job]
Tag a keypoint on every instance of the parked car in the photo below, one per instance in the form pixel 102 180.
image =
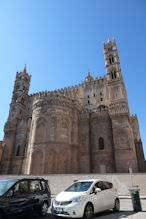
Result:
pixel 24 195
pixel 84 198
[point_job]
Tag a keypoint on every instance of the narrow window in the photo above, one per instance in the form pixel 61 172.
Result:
pixel 111 60
pixel 101 99
pixel 88 101
pixel 15 99
pixel 113 74
pixel 22 100
pixel 94 95
pixel 18 151
pixel 101 143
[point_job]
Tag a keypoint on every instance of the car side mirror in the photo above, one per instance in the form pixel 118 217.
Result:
pixel 97 190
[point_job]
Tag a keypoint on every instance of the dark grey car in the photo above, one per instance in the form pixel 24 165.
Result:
pixel 19 196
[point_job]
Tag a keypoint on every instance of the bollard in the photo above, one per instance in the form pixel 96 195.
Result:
pixel 134 192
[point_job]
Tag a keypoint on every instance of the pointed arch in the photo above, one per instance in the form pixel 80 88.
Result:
pixel 40 135
pixel 37 162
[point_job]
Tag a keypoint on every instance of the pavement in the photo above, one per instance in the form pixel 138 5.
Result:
pixel 126 211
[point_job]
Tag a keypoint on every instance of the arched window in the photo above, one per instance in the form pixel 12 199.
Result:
pixel 111 60
pixel 113 74
pixel 18 151
pixel 24 89
pixel 101 143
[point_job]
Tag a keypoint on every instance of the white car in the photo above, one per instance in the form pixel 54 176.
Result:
pixel 84 198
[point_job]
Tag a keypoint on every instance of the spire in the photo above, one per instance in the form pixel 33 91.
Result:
pixel 108 40
pixel 24 70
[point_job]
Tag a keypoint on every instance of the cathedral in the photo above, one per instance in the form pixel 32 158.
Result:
pixel 86 128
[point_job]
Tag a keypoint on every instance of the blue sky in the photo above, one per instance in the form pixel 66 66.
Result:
pixel 61 40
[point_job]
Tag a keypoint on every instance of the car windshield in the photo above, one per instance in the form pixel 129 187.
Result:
pixel 79 186
pixel 5 185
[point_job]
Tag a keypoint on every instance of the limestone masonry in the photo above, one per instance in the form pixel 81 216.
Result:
pixel 82 129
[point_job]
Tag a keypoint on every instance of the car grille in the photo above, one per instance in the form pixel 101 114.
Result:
pixel 63 203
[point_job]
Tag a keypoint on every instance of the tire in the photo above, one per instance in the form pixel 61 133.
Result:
pixel 2 216
pixel 44 209
pixel 117 205
pixel 89 211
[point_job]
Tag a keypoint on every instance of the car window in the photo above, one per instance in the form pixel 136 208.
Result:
pixel 43 185
pixel 5 185
pixel 35 186
pixel 100 185
pixel 79 186
pixel 108 185
pixel 21 187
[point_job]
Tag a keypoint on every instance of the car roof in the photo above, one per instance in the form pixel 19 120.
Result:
pixel 21 178
pixel 88 180
pixel 91 180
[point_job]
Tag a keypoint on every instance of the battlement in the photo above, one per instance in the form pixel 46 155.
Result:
pixel 71 92
pixel 54 98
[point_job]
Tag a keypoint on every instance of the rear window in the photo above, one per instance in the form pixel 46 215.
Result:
pixel 43 185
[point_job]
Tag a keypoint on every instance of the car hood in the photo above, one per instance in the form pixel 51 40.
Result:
pixel 67 196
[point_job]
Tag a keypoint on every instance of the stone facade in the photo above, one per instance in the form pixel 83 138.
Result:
pixel 83 129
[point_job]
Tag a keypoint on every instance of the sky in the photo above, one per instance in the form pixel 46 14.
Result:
pixel 60 41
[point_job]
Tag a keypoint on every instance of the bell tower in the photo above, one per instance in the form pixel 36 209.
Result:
pixel 123 144
pixel 117 90
pixel 112 63
pixel 14 134
pixel 20 94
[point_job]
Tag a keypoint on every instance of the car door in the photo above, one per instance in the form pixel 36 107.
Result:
pixel 35 191
pixel 110 195
pixel 107 195
pixel 97 198
pixel 17 199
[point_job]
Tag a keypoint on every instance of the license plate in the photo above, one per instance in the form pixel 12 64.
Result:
pixel 59 210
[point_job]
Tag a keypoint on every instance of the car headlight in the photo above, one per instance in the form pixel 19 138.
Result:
pixel 78 198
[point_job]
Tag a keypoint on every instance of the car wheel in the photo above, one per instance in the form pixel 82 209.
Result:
pixel 117 205
pixel 89 211
pixel 44 209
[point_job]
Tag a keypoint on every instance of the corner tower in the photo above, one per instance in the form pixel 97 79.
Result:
pixel 15 130
pixel 20 95
pixel 123 139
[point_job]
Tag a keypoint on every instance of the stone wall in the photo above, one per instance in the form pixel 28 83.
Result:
pixel 58 182
pixel 1 150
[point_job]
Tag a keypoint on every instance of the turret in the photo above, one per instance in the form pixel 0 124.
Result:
pixel 112 63
pixel 20 94
pixel 117 91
